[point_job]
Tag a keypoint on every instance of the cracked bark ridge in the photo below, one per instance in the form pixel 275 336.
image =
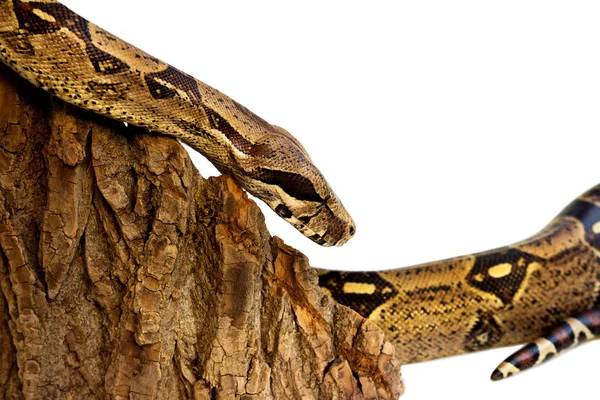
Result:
pixel 124 274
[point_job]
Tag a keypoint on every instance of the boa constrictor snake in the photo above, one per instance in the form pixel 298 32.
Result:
pixel 496 298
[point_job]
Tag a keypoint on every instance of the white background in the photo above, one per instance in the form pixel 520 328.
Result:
pixel 445 127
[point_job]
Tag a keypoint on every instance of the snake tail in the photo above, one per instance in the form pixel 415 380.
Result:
pixel 571 332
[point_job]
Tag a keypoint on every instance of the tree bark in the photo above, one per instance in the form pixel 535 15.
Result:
pixel 125 274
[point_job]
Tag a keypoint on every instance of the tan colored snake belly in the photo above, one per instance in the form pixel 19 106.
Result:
pixel 496 298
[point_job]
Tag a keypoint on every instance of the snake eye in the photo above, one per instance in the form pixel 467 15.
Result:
pixel 283 211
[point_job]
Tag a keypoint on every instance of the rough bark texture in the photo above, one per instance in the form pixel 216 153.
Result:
pixel 125 274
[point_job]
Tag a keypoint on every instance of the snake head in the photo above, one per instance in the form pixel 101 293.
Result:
pixel 326 223
pixel 277 169
pixel 307 202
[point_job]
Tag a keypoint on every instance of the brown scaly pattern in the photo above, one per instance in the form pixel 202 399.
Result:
pixel 500 297
pixel 82 64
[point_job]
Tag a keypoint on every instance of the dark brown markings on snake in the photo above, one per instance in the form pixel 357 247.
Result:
pixel 591 320
pixel 317 239
pixel 526 357
pixel 597 302
pixel 158 84
pixel 59 16
pixel 501 273
pixel 283 211
pixel 293 184
pixel 562 337
pixel 485 333
pixel 363 292
pixel 239 141
pixel 589 215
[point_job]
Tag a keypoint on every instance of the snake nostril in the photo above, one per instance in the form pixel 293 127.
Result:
pixel 352 231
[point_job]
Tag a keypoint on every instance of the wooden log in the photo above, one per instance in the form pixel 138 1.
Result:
pixel 124 274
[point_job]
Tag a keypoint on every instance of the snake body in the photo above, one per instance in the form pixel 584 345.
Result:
pixel 500 297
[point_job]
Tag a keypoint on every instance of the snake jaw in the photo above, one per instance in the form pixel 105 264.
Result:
pixel 336 234
pixel 327 224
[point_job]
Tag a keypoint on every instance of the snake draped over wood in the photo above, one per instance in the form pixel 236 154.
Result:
pixel 495 298
pixel 82 64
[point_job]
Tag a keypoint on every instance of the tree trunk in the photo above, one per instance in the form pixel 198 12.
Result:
pixel 125 274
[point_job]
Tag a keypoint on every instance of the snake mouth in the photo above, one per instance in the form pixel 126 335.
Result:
pixel 326 239
pixel 318 239
pixel 321 224
pixel 334 236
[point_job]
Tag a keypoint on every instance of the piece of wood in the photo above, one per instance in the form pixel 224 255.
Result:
pixel 125 274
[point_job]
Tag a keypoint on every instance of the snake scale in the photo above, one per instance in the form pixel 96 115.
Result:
pixel 496 298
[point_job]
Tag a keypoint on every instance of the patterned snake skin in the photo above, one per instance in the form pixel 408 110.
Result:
pixel 82 64
pixel 500 297
pixel 496 298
